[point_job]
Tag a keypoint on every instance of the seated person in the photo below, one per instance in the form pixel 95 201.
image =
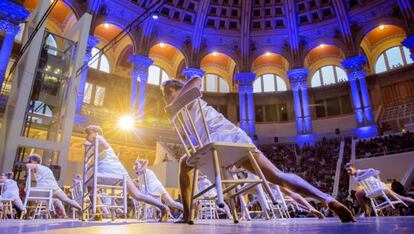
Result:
pixel 11 191
pixel 109 164
pixel 45 179
pixel 222 130
pixel 361 195
pixel 150 184
pixel 204 183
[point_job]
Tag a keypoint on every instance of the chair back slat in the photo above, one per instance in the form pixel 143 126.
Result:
pixel 371 182
pixel 186 113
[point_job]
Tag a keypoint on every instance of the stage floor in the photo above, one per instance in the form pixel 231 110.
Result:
pixel 306 225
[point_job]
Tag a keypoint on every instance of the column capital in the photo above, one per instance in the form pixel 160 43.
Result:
pixel 245 78
pixel 355 67
pixel 12 12
pixel 408 42
pixel 9 28
pixel 92 42
pixel 297 78
pixel 190 72
pixel 141 64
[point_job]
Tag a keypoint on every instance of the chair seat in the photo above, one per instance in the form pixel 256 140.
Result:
pixel 229 154
pixel 107 179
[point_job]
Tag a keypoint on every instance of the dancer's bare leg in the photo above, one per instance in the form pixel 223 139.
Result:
pixel 170 202
pixel 134 193
pixel 64 198
pixel 298 185
pixel 302 201
pixel 185 180
pixel 408 200
pixel 61 207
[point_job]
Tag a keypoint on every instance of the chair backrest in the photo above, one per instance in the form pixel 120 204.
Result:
pixel 1 188
pixel 371 182
pixel 185 112
pixel 77 191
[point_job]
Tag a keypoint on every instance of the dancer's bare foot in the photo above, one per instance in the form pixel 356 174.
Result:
pixel 343 213
pixel 316 214
pixel 165 214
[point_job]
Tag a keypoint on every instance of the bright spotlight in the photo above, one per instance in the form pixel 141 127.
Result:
pixel 267 54
pixel 322 46
pixel 381 27
pixel 162 45
pixel 214 53
pixel 155 16
pixel 126 122
pixel 106 25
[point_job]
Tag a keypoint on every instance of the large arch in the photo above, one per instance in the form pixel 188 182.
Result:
pixel 271 63
pixel 220 64
pixel 167 56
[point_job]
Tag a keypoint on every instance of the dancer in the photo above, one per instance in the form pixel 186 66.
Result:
pixel 222 130
pixel 45 179
pixel 151 185
pixel 110 164
pixel 11 191
pixel 361 195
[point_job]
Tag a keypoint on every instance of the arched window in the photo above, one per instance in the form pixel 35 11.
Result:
pixel 393 58
pixel 51 42
pixel 101 62
pixel 156 75
pixel 215 83
pixel 328 75
pixel 269 83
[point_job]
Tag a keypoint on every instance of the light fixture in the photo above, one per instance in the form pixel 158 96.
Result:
pixel 267 54
pixel 126 122
pixel 322 46
pixel 381 27
pixel 155 16
pixel 106 25
pixel 214 53
pixel 162 45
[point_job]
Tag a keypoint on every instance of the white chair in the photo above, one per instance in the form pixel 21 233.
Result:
pixel 41 199
pixel 207 209
pixel 145 211
pixel 6 205
pixel 204 154
pixel 374 189
pixel 280 210
pixel 95 181
pixel 76 191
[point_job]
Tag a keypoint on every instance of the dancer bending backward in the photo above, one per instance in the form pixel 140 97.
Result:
pixel 45 179
pixel 222 130
pixel 110 164
pixel 150 183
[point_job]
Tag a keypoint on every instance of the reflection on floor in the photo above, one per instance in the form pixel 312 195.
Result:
pixel 308 226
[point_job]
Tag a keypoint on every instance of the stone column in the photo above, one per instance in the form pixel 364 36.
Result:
pixel 11 31
pixel 139 73
pixel 190 72
pixel 11 14
pixel 354 67
pixel 92 42
pixel 298 82
pixel 246 102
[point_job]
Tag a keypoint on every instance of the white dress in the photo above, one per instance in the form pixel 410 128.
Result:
pixel 221 129
pixel 109 163
pixel 45 178
pixel 11 191
pixel 150 184
pixel 205 183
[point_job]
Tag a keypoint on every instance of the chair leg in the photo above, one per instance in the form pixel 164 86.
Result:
pixel 193 191
pixel 261 176
pixel 217 174
pixel 374 207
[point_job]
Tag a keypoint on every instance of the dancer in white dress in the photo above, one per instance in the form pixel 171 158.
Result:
pixel 110 164
pixel 11 191
pixel 45 179
pixel 222 129
pixel 361 196
pixel 150 184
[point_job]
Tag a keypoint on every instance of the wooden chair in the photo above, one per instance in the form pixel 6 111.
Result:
pixel 375 189
pixel 212 158
pixel 41 199
pixel 92 179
